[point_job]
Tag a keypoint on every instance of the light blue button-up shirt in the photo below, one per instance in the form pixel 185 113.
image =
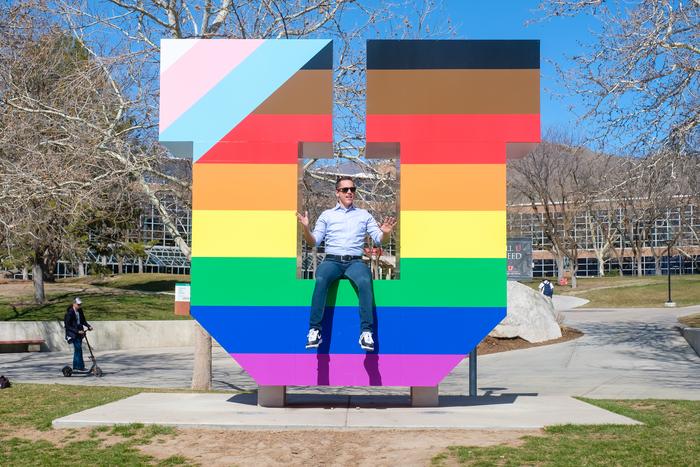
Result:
pixel 344 230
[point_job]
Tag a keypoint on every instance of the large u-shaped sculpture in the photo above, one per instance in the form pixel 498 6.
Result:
pixel 243 110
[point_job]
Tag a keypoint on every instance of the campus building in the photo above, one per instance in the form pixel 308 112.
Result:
pixel 591 231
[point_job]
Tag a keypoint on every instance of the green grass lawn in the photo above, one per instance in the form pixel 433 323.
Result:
pixel 692 321
pixel 137 282
pixel 632 292
pixel 125 297
pixel 669 437
pixel 32 407
pixel 98 307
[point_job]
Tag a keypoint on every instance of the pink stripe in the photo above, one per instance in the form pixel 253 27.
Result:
pixel 347 369
pixel 197 72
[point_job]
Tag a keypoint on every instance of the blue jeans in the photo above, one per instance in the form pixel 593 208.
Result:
pixel 78 362
pixel 328 272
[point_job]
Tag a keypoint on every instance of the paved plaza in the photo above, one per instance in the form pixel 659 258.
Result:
pixel 625 353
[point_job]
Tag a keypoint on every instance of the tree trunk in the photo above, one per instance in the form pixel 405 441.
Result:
pixel 25 274
pixel 601 263
pixel 560 267
pixel 640 268
pixel 657 265
pixel 574 270
pixel 140 265
pixel 201 374
pixel 81 269
pixel 120 265
pixel 38 279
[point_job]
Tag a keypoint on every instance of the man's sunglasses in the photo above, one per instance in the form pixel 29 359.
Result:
pixel 351 189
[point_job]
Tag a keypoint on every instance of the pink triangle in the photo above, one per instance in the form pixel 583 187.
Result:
pixel 198 71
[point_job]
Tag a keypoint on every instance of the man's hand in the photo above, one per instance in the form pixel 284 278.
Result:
pixel 388 225
pixel 89 328
pixel 304 219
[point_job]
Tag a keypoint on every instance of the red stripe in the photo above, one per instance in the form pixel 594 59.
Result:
pixel 269 139
pixel 281 127
pixel 453 128
pixel 226 152
pixel 449 152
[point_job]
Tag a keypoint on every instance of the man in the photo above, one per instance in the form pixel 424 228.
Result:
pixel 343 228
pixel 75 324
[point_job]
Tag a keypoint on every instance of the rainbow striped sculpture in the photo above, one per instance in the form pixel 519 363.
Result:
pixel 244 109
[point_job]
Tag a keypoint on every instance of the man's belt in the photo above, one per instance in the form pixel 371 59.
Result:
pixel 343 257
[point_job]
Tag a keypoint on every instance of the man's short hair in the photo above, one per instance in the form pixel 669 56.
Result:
pixel 340 179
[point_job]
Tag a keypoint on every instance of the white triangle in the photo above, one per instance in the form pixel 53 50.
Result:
pixel 175 49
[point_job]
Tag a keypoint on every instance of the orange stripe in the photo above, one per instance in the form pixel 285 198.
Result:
pixel 244 187
pixel 448 187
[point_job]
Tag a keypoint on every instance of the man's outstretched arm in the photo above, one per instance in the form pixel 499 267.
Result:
pixel 379 233
pixel 304 221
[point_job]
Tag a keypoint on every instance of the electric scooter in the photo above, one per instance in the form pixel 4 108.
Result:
pixel 94 369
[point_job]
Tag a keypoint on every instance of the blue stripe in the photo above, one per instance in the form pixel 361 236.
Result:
pixel 241 91
pixel 399 330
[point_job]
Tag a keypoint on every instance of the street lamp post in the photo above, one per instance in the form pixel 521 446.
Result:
pixel 670 303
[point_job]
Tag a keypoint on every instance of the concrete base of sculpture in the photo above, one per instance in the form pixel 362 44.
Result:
pixel 424 396
pixel 276 396
pixel 272 396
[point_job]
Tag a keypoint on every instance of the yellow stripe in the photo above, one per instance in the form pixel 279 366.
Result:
pixel 453 234
pixel 424 234
pixel 245 234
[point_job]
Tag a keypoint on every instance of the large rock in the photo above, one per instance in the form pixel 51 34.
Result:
pixel 531 316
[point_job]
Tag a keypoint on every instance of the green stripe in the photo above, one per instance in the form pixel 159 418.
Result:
pixel 453 282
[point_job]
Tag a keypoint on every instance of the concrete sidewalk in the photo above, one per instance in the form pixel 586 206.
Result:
pixel 567 302
pixel 508 411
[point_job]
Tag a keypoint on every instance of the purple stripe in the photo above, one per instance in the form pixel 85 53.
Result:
pixel 347 369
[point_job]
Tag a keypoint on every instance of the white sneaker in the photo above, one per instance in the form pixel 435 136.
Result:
pixel 313 339
pixel 366 341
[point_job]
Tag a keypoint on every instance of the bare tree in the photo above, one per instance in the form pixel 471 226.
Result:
pixel 556 180
pixel 639 77
pixel 54 178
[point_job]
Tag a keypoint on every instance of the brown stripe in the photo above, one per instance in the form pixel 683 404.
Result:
pixel 453 91
pixel 306 92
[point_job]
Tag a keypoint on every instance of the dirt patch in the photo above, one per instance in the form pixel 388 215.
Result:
pixel 63 437
pixel 496 344
pixel 323 447
pixel 292 447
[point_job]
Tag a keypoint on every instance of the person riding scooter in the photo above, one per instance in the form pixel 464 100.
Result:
pixel 76 324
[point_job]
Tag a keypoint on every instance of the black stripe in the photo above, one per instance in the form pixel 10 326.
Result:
pixel 323 60
pixel 452 54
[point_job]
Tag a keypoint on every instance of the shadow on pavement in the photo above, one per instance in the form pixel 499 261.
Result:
pixel 648 341
pixel 336 401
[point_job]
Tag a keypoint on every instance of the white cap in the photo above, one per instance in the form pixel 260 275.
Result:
pixel 77 301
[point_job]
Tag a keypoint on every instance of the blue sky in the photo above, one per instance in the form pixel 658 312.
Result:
pixel 505 19
pixel 560 38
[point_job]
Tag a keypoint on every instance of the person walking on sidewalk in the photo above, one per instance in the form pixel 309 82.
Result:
pixel 546 288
